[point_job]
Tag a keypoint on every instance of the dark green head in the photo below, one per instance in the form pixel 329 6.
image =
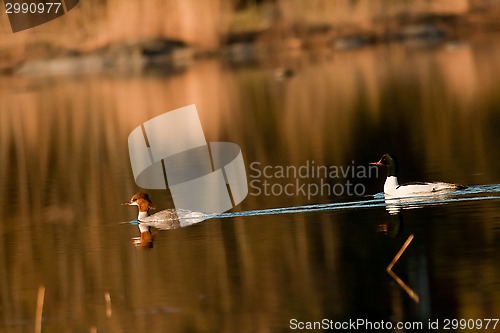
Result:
pixel 391 162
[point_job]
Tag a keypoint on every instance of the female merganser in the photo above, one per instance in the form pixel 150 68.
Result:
pixel 165 219
pixel 392 187
pixel 144 203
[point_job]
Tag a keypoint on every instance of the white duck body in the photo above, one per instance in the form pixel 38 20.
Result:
pixel 393 189
pixel 171 218
pixel 165 219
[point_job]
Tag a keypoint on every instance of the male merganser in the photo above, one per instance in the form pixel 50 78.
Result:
pixel 392 187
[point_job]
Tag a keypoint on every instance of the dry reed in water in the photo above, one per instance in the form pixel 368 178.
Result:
pixel 107 297
pixel 39 309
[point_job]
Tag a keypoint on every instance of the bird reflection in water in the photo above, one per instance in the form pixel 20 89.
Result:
pixel 393 228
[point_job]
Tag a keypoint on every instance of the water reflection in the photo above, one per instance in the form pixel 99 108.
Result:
pixel 393 225
pixel 65 168
pixel 395 205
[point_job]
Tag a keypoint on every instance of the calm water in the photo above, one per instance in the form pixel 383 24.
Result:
pixel 65 170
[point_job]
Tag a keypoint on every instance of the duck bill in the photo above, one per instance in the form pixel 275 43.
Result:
pixel 376 163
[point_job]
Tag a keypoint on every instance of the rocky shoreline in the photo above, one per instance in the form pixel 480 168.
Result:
pixel 169 56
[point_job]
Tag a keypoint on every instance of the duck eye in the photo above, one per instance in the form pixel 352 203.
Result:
pixel 134 200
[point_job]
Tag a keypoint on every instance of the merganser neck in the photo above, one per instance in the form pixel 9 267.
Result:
pixel 142 227
pixel 392 170
pixel 142 215
pixel 391 184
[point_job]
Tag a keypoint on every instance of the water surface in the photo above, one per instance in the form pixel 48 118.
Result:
pixel 65 170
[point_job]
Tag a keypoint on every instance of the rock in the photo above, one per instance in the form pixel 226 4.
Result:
pixel 132 56
pixel 283 73
pixel 353 42
pixel 422 31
